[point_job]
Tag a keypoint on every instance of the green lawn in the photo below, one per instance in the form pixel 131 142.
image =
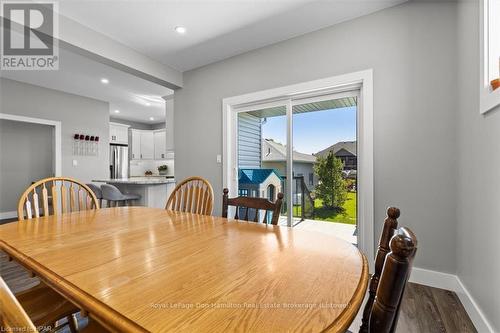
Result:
pixel 347 216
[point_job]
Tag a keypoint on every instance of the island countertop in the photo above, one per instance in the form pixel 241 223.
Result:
pixel 137 180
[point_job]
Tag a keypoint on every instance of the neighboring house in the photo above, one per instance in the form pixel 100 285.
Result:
pixel 274 157
pixel 346 151
pixel 263 183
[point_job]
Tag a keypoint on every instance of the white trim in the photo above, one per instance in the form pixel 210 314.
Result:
pixel 488 99
pixel 362 80
pixel 289 161
pixel 57 138
pixel 434 279
pixel 8 215
pixel 452 282
pixel 473 310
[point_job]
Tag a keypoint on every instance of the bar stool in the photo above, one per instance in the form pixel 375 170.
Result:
pixel 112 195
pixel 97 191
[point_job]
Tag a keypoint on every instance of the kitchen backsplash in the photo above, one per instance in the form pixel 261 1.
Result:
pixel 138 168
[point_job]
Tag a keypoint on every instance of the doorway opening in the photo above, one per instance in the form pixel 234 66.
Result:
pixel 323 162
pixel 313 142
pixel 33 146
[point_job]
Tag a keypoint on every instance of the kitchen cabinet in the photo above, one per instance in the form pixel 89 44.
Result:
pixel 142 145
pixel 118 133
pixel 160 144
pixel 147 145
pixel 136 144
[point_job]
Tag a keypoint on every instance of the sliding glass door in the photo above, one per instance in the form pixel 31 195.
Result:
pixel 305 147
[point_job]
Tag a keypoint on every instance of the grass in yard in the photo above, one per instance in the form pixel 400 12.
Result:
pixel 347 216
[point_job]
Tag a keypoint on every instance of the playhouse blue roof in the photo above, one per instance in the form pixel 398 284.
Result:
pixel 255 176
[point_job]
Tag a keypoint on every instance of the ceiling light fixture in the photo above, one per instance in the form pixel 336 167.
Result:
pixel 104 81
pixel 151 118
pixel 117 111
pixel 148 104
pixel 180 29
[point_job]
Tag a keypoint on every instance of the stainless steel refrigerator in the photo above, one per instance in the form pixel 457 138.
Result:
pixel 119 164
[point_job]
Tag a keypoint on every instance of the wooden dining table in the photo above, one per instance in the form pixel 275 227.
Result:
pixel 138 269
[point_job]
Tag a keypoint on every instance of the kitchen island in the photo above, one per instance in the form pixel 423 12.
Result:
pixel 154 191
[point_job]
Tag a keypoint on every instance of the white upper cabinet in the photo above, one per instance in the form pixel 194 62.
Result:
pixel 160 144
pixel 147 145
pixel 136 145
pixel 118 133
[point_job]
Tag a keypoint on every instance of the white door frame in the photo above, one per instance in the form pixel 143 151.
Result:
pixel 57 138
pixel 363 81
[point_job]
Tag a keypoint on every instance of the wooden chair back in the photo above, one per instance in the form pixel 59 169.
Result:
pixel 13 318
pixel 388 230
pixel 55 195
pixel 257 204
pixel 192 195
pixel 395 274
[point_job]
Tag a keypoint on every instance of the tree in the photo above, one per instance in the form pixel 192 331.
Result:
pixel 331 186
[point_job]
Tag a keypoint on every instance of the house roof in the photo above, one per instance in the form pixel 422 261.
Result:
pixel 273 151
pixel 255 176
pixel 349 146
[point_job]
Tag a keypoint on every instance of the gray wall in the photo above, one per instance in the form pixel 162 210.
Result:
pixel 27 152
pixel 414 111
pixel 478 177
pixel 158 126
pixel 132 124
pixel 138 125
pixel 77 115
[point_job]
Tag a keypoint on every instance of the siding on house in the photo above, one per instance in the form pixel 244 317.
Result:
pixel 249 141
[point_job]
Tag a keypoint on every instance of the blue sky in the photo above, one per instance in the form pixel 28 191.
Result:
pixel 314 131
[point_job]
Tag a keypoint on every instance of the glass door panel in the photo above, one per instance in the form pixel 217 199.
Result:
pixel 261 156
pixel 324 166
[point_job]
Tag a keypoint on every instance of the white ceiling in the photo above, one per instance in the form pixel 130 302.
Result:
pixel 216 29
pixel 81 76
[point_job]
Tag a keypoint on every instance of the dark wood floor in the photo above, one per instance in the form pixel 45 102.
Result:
pixel 424 309
pixel 427 309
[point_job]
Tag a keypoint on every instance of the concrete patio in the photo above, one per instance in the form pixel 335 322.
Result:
pixel 341 230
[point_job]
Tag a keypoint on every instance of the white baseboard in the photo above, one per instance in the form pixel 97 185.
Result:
pixel 476 315
pixel 8 215
pixel 452 282
pixel 434 279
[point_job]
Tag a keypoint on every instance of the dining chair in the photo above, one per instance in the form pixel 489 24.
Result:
pixel 14 317
pixel 55 195
pixel 48 196
pixel 393 263
pixel 257 204
pixel 192 195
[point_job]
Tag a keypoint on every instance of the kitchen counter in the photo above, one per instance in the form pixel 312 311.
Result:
pixel 154 190
pixel 153 180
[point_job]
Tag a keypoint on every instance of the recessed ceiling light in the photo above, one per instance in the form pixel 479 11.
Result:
pixel 148 104
pixel 151 118
pixel 180 29
pixel 117 111
pixel 104 80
